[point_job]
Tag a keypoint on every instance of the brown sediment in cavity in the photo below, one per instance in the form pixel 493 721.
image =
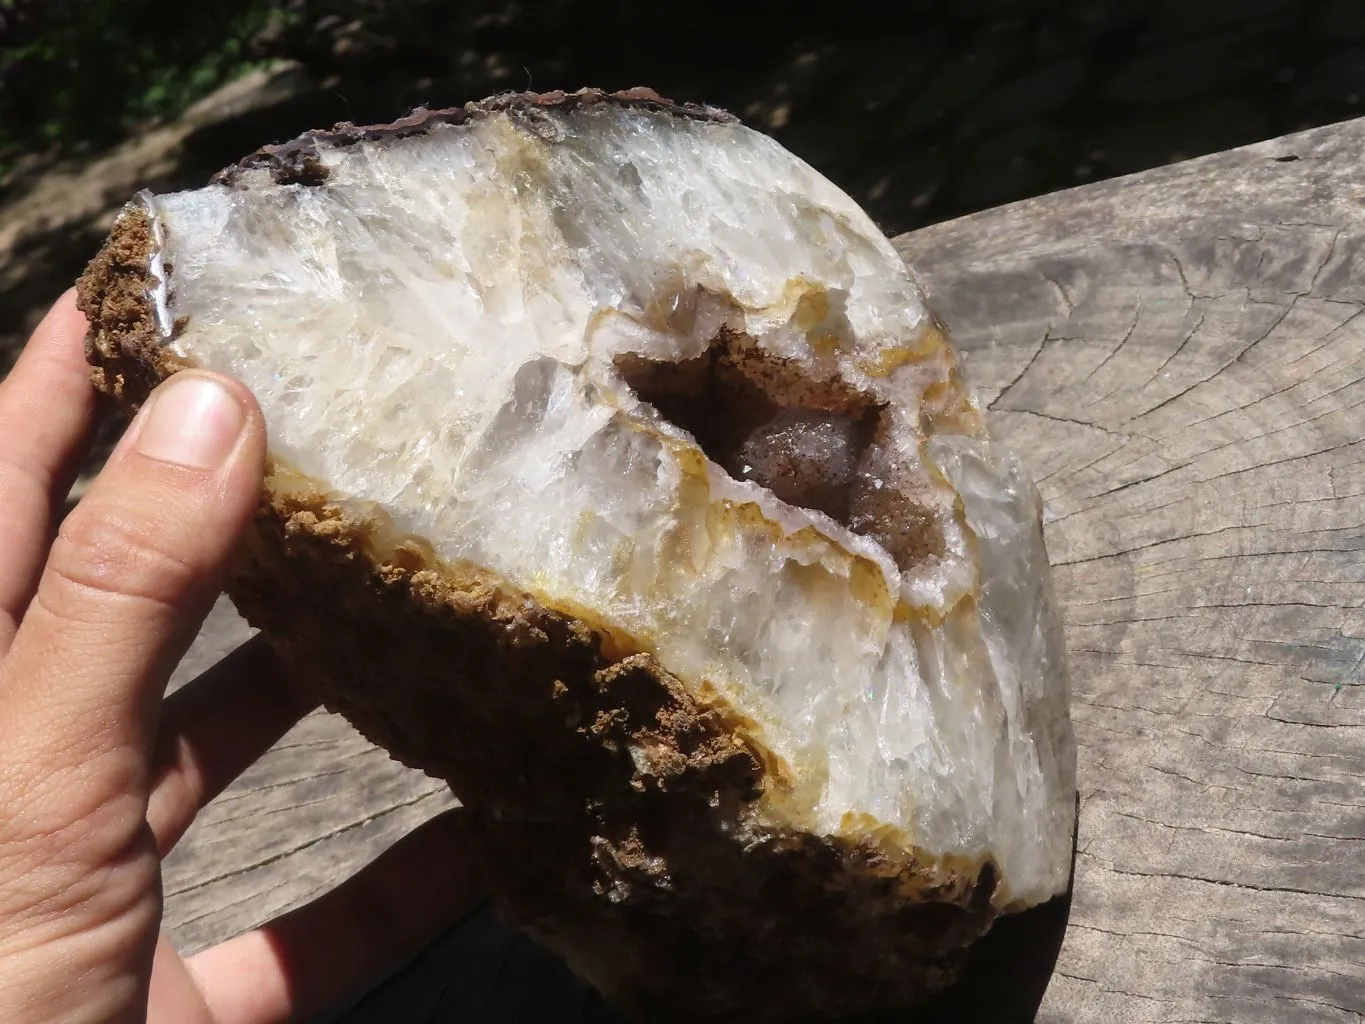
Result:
pixel 815 443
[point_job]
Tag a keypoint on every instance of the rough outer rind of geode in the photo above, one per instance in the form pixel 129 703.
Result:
pixel 621 479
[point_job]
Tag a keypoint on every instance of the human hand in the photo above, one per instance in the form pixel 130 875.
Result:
pixel 99 777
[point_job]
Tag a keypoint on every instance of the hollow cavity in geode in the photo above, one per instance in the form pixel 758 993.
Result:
pixel 630 385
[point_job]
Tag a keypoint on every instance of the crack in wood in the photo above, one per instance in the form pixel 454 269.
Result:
pixel 1047 336
pixel 1182 877
pixel 298 848
pixel 1061 294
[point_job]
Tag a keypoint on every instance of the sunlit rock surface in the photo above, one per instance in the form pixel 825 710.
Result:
pixel 657 373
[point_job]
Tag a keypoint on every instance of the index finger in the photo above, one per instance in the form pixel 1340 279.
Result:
pixel 46 409
pixel 130 577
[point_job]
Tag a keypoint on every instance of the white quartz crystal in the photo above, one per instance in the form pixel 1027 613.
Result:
pixel 434 329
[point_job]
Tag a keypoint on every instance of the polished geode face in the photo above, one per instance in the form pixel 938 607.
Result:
pixel 655 370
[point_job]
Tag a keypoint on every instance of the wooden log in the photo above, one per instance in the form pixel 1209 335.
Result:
pixel 1179 357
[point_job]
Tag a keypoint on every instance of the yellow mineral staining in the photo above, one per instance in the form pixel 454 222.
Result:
pixel 930 343
pixel 946 407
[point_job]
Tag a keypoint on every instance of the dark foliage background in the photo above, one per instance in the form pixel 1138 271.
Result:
pixel 931 111
pixel 79 73
pixel 922 110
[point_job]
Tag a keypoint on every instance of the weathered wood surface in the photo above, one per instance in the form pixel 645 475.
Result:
pixel 1180 358
pixel 320 805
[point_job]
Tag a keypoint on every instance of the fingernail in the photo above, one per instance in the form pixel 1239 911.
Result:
pixel 193 422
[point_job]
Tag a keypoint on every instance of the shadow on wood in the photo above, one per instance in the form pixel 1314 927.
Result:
pixel 483 971
pixel 1007 972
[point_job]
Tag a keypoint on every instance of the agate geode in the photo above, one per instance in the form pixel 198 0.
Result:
pixel 621 478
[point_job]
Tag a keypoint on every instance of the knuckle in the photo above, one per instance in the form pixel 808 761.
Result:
pixel 107 550
pixel 58 829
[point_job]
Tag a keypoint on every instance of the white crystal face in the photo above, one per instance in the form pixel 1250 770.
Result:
pixel 483 329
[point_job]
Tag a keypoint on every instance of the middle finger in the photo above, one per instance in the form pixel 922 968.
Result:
pixel 215 728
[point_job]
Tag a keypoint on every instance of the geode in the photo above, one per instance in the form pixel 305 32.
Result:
pixel 620 478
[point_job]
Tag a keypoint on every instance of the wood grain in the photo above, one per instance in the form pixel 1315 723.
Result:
pixel 1180 359
pixel 314 810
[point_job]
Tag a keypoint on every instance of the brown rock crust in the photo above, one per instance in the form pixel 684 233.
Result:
pixel 299 161
pixel 617 815
pixel 622 819
pixel 124 346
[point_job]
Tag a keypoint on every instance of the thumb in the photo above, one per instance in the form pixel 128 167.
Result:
pixel 131 575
